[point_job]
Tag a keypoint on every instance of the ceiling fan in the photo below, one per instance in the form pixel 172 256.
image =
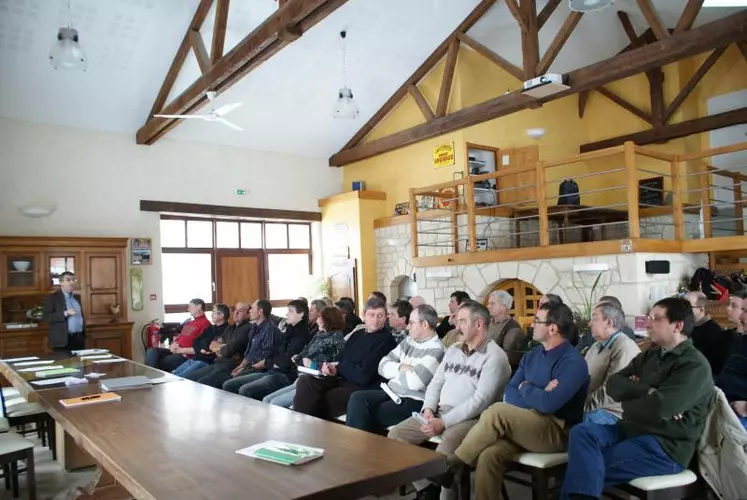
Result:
pixel 215 115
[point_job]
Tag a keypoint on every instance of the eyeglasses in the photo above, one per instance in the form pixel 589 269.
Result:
pixel 655 317
pixel 540 322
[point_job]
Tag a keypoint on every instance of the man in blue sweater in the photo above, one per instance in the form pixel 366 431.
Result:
pixel 543 400
pixel 327 396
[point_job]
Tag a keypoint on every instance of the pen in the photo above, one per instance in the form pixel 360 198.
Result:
pixel 84 398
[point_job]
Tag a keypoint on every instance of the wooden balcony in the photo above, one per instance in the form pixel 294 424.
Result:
pixel 632 199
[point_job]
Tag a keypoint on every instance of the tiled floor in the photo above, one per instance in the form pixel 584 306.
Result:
pixel 53 483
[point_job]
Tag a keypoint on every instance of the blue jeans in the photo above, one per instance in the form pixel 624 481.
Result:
pixel 601 417
pixel 283 397
pixel 374 410
pixel 234 384
pixel 600 455
pixel 744 422
pixel 188 366
pixel 259 387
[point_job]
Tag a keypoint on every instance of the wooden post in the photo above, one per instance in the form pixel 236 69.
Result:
pixel 634 226
pixel 678 216
pixel 469 196
pixel 414 223
pixel 705 201
pixel 544 223
pixel 737 183
pixel 455 222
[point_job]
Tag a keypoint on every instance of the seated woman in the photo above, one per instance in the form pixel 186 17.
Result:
pixel 409 369
pixel 327 396
pixel 325 347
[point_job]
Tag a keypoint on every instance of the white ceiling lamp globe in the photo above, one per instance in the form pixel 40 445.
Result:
pixel 536 133
pixel 66 52
pixel 346 107
pixel 589 5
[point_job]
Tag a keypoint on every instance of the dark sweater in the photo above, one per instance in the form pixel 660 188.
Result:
pixel 537 368
pixel 325 347
pixel 359 360
pixel 443 328
pixel 733 378
pixel 714 342
pixel 203 342
pixel 672 383
pixel 235 338
pixel 293 341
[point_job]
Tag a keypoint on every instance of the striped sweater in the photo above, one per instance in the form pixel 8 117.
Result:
pixel 423 356
pixel 467 382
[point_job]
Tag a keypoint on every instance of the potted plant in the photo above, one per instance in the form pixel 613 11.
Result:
pixel 35 313
pixel 582 312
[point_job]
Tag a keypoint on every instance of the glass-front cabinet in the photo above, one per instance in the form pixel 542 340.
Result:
pixel 21 271
pixel 57 263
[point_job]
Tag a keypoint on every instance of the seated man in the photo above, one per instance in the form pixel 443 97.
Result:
pixel 587 338
pixel 327 397
pixel 733 377
pixel 665 393
pixel 228 349
pixel 200 350
pixel 169 359
pixel 315 307
pixel 471 376
pixel 503 329
pixel 544 399
pixel 612 351
pixel 296 336
pixel 449 323
pixel 399 315
pixel 708 337
pixel 409 369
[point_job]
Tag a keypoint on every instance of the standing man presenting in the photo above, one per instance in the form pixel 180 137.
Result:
pixel 65 317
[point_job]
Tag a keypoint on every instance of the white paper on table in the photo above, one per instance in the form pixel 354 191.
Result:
pixel 32 363
pixel 94 375
pixel 112 360
pixel 86 352
pixel 41 368
pixel 51 381
pixel 165 378
pixel 12 360
pixel 97 356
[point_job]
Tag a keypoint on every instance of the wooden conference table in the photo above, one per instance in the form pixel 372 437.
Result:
pixel 179 440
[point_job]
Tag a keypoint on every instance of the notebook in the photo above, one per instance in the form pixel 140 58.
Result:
pixel 126 383
pixel 92 399
pixel 52 373
pixel 310 371
pixel 282 453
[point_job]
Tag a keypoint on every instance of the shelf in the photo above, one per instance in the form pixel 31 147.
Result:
pixel 21 272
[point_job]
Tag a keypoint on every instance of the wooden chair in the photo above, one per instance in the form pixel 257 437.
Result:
pixel 546 471
pixel 14 447
pixel 21 413
pixel 686 484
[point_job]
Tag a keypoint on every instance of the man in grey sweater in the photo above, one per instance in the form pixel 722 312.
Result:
pixel 611 352
pixel 471 377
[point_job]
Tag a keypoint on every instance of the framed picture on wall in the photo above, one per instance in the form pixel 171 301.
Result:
pixel 141 251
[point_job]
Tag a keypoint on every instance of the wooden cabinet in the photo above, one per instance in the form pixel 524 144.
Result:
pixel 29 271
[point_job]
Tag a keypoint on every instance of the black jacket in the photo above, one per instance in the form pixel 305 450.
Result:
pixel 235 338
pixel 294 340
pixel 733 377
pixel 203 342
pixel 714 342
pixel 54 314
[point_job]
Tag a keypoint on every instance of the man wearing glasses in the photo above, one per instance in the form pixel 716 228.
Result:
pixel 708 337
pixel 665 394
pixel 65 317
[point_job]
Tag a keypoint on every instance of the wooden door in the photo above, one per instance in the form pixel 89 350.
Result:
pixel 103 287
pixel 526 299
pixel 518 157
pixel 241 276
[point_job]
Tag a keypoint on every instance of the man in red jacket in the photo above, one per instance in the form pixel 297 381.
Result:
pixel 181 349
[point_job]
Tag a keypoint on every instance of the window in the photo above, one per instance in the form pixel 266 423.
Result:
pixel 187 276
pixel 200 234
pixel 251 235
pixel 173 233
pixel 288 275
pixel 227 234
pixel 299 236
pixel 276 236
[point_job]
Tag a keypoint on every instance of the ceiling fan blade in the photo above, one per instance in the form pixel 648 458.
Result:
pixel 230 124
pixel 227 108
pixel 201 117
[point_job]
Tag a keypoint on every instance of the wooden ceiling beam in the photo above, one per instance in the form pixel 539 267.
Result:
pixel 626 105
pixel 656 92
pixel 627 26
pixel 546 12
pixel 502 63
pixel 219 30
pixel 583 99
pixel 448 77
pixel 689 13
pixel 530 51
pixel 653 19
pixel 425 108
pixel 693 82
pixel 418 75
pixel 666 133
pixel 257 47
pixel 559 41
pixel 181 54
pixel 198 47
pixel 698 40
pixel 513 6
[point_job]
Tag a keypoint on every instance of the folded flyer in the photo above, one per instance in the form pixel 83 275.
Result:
pixel 282 453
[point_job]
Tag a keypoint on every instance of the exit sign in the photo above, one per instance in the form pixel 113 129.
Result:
pixel 241 192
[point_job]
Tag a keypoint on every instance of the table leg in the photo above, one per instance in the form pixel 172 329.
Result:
pixel 70 456
pixel 30 474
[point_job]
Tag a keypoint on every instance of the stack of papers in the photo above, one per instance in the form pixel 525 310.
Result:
pixel 110 360
pixel 97 356
pixel 126 383
pixel 282 453
pixel 40 368
pixel 88 352
pixel 12 360
pixel 52 373
pixel 51 381
pixel 32 363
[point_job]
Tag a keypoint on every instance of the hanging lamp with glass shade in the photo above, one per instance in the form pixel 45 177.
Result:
pixel 346 107
pixel 66 52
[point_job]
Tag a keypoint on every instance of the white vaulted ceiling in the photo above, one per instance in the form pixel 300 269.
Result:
pixel 288 100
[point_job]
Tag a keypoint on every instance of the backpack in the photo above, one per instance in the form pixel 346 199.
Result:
pixel 568 193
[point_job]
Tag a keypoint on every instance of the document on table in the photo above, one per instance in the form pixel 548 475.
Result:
pixel 97 356
pixel 41 368
pixel 12 360
pixel 112 360
pixel 88 352
pixel 50 381
pixel 61 371
pixel 166 378
pixel 32 363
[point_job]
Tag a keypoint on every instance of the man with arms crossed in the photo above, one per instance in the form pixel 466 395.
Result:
pixel 665 394
pixel 471 376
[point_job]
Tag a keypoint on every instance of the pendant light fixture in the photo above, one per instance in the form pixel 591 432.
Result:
pixel 589 5
pixel 66 52
pixel 346 107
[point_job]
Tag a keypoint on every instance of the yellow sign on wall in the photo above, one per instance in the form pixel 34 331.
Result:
pixel 443 155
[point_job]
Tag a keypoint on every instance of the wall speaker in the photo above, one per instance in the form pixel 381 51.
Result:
pixel 657 267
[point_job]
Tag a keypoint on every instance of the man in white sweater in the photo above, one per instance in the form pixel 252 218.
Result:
pixel 409 368
pixel 611 351
pixel 471 377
